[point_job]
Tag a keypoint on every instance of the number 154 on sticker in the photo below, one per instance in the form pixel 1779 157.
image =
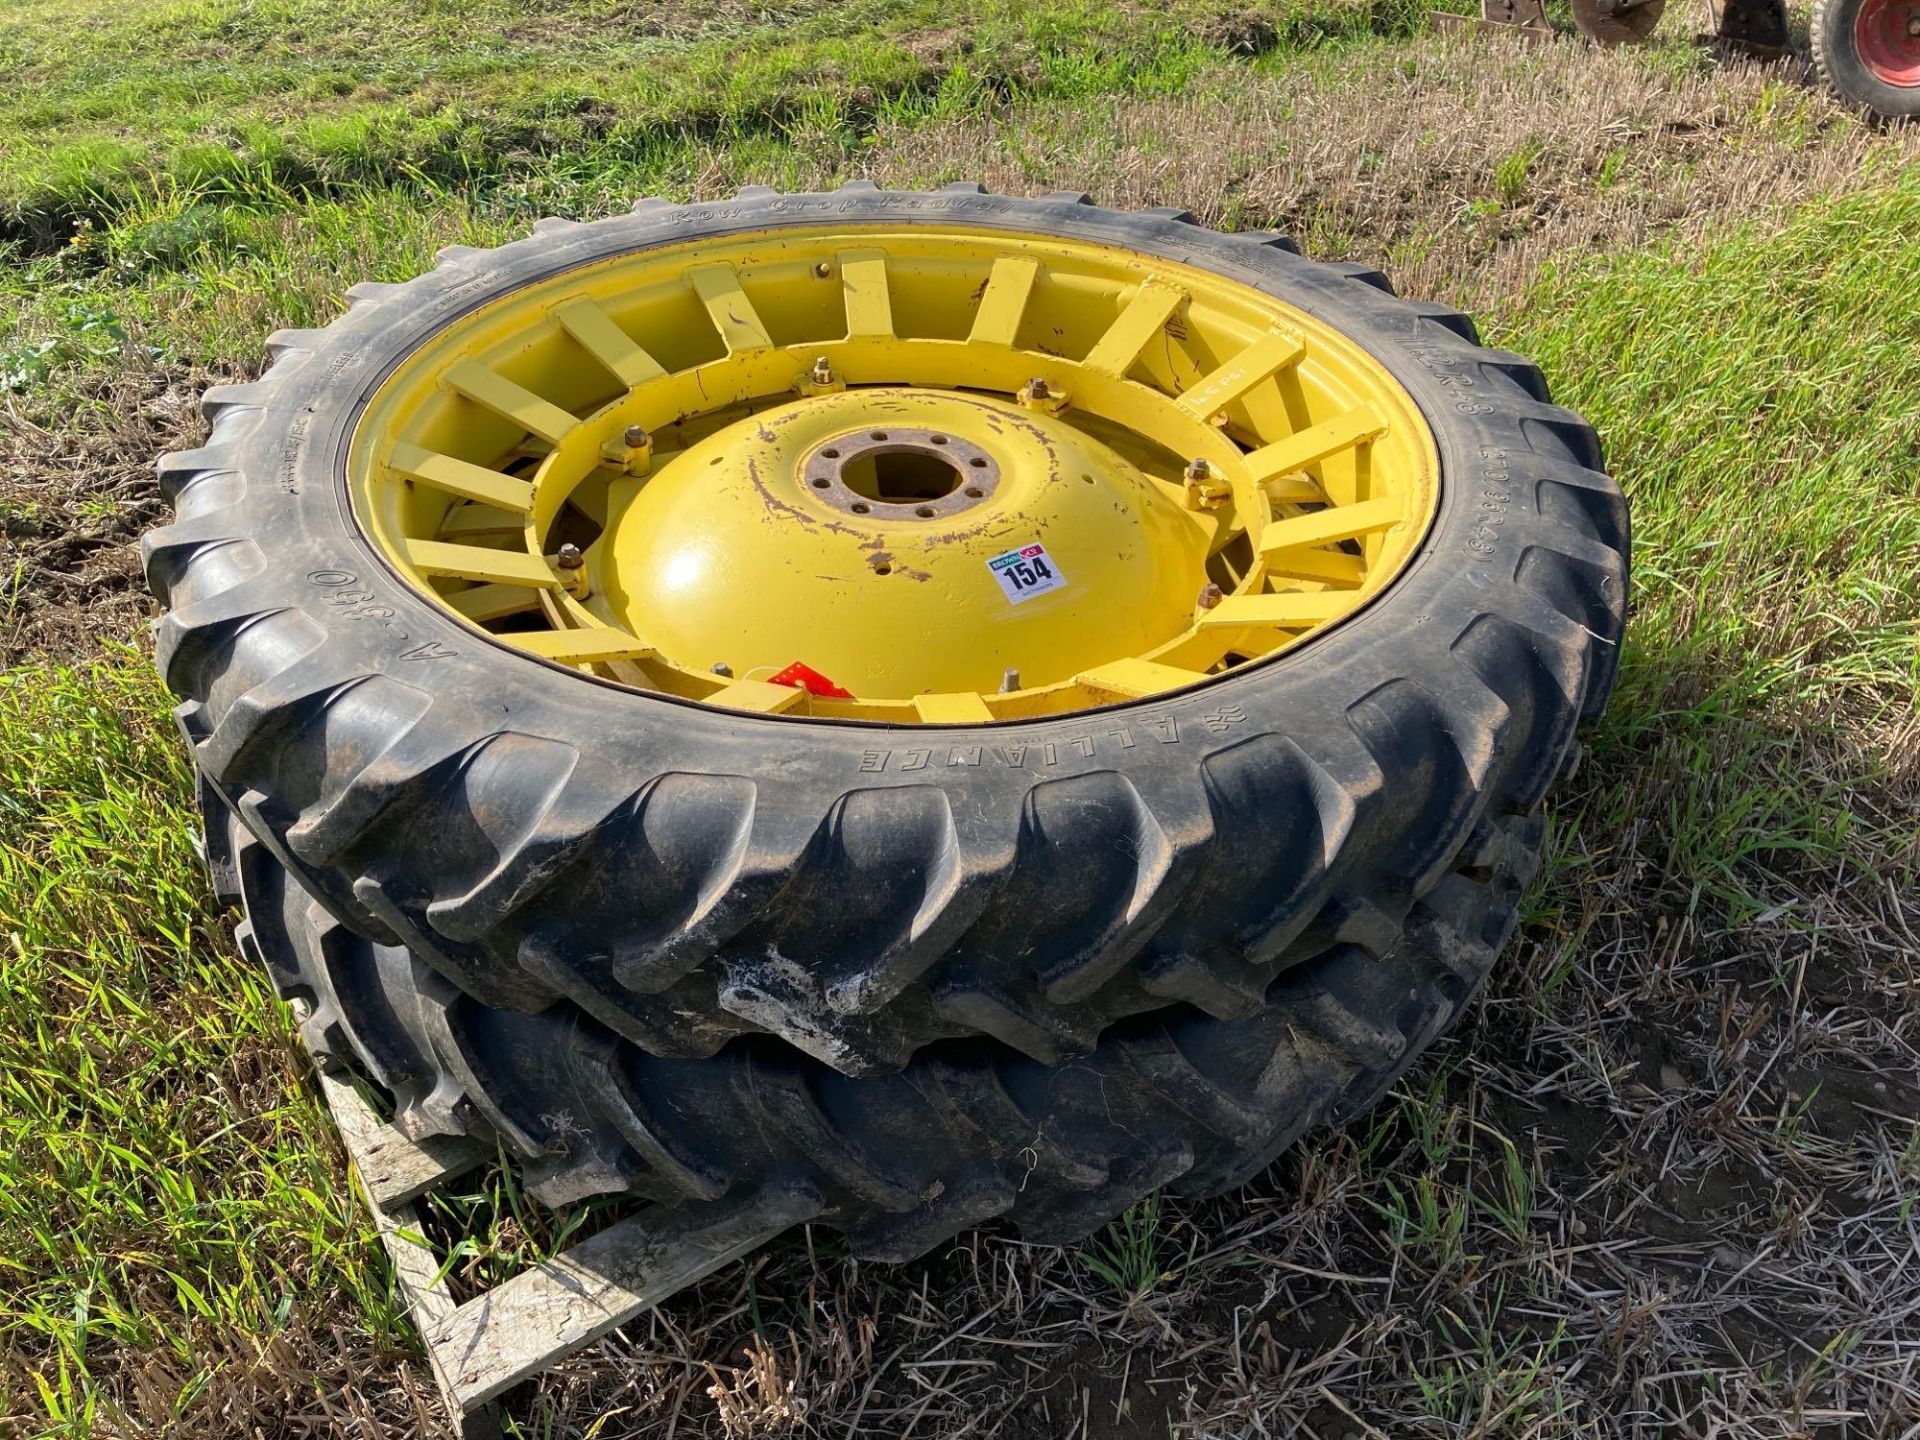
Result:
pixel 1026 572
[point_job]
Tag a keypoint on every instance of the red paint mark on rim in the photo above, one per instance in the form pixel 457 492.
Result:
pixel 1887 35
pixel 805 677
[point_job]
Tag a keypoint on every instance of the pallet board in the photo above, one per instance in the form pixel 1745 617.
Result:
pixel 513 1331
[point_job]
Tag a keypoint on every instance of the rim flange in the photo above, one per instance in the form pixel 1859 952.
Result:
pixel 1886 42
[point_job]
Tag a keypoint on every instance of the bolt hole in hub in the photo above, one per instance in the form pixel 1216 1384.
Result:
pixel 902 472
pixel 975 477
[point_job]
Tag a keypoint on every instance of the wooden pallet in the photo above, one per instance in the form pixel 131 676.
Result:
pixel 485 1346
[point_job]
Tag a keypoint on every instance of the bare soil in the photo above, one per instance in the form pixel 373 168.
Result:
pixel 77 490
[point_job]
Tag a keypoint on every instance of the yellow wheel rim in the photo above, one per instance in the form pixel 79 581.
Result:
pixel 932 475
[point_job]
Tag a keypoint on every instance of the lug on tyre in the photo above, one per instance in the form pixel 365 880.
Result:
pixel 927 706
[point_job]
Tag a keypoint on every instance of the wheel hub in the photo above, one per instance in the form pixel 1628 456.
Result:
pixel 1887 35
pixel 857 533
pixel 901 472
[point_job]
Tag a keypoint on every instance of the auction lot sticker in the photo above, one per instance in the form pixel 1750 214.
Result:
pixel 1026 572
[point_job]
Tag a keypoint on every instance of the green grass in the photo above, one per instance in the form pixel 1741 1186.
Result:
pixel 167 1190
pixel 1128 1257
pixel 194 101
pixel 1750 398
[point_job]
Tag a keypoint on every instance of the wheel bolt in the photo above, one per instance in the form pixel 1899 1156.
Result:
pixel 1009 682
pixel 636 436
pixel 570 557
pixel 722 669
pixel 1210 596
pixel 822 372
pixel 1205 489
pixel 1037 389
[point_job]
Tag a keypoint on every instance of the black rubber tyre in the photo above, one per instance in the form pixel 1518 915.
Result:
pixel 1836 55
pixel 685 876
pixel 968 1132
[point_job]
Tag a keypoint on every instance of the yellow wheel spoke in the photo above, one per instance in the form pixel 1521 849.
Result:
pixel 997 321
pixel 457 477
pixel 1230 526
pixel 580 647
pixel 1132 678
pixel 479 522
pixel 476 562
pixel 760 696
pixel 1333 567
pixel 1295 610
pixel 1323 527
pixel 1294 490
pixel 733 314
pixel 514 539
pixel 596 333
pixel 482 603
pixel 1316 443
pixel 1145 316
pixel 960 707
pixel 1260 361
pixel 513 402
pixel 863 282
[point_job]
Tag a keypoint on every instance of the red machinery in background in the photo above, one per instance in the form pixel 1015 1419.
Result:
pixel 1867 50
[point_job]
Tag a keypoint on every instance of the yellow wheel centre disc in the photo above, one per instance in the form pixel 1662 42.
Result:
pixel 900 542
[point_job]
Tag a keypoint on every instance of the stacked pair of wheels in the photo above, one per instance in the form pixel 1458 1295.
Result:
pixel 889 709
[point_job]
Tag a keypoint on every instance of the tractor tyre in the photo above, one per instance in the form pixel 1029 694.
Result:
pixel 964 1134
pixel 837 635
pixel 1868 51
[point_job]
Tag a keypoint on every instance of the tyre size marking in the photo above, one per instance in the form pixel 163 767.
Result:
pixel 1496 500
pixel 936 204
pixel 1026 572
pixel 346 598
pixel 1496 474
pixel 286 473
pixel 1445 371
pixel 1445 368
pixel 451 297
pixel 1110 740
